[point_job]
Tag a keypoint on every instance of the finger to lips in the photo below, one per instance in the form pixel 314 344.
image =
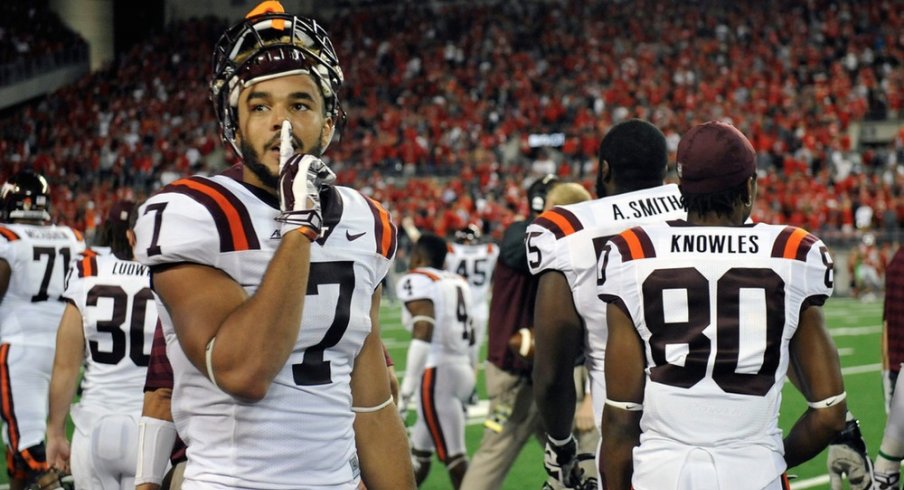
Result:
pixel 285 143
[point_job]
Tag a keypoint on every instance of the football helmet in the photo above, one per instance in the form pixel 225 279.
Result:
pixel 468 234
pixel 269 44
pixel 26 195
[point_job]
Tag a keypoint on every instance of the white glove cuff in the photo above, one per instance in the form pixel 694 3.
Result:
pixel 155 444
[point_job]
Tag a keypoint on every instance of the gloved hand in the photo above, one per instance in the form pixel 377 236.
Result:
pixel 887 481
pixel 404 403
pixel 473 398
pixel 561 462
pixel 848 458
pixel 300 180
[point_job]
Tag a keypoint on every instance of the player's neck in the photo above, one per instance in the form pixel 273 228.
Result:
pixel 714 219
pixel 250 178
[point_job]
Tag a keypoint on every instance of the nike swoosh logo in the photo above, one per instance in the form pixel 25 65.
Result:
pixel 352 238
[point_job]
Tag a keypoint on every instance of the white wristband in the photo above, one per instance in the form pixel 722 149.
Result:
pixel 629 406
pixel 828 402
pixel 155 444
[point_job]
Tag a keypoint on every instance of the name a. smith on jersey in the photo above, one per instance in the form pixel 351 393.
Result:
pixel 650 206
pixel 733 244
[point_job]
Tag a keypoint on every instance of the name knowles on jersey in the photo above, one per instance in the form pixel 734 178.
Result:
pixel 733 244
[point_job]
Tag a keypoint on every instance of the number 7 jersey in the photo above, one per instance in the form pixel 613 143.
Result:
pixel 301 432
pixel 716 308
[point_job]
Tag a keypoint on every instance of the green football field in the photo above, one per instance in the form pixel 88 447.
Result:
pixel 855 326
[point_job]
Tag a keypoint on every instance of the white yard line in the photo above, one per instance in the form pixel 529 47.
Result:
pixel 810 482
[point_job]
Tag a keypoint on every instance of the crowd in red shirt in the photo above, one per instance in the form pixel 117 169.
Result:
pixel 442 99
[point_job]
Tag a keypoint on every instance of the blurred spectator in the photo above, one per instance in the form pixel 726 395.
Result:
pixel 468 83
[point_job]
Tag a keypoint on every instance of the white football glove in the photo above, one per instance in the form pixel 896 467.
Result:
pixel 300 180
pixel 404 404
pixel 887 481
pixel 848 458
pixel 561 462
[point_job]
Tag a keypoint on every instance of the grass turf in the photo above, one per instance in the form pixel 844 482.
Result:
pixel 855 326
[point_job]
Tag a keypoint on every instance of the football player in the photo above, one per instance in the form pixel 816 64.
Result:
pixel 269 286
pixel 705 318
pixel 108 324
pixel 475 262
pixel 159 444
pixel 891 451
pixel 439 368
pixel 562 247
pixel 35 258
pixel 513 417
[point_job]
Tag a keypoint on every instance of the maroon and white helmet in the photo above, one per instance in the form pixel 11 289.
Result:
pixel 269 44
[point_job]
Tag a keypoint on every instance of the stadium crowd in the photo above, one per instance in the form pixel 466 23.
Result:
pixel 456 91
pixel 33 40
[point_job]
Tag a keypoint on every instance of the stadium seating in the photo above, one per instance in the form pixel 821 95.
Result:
pixel 443 102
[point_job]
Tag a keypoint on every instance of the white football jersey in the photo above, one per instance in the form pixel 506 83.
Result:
pixel 301 431
pixel 716 308
pixel 476 264
pixel 451 297
pixel 119 313
pixel 570 239
pixel 39 257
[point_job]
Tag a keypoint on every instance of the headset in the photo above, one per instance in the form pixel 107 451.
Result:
pixel 536 193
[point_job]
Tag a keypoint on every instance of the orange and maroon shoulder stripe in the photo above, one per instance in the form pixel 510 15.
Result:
pixel 385 231
pixel 793 243
pixel 634 244
pixel 230 216
pixel 561 222
pixel 10 235
pixel 87 267
pixel 427 273
pixel 78 235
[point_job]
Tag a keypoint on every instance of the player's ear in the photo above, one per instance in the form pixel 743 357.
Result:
pixel 326 134
pixel 130 237
pixel 605 171
pixel 751 189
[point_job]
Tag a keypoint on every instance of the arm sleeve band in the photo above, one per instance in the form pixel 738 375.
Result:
pixel 375 408
pixel 629 406
pixel 208 360
pixel 420 318
pixel 155 444
pixel 828 402
pixel 414 367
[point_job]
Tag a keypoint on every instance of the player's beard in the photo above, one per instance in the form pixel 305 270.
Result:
pixel 251 158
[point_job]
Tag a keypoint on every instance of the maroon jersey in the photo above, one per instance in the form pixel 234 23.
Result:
pixel 893 312
pixel 512 303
